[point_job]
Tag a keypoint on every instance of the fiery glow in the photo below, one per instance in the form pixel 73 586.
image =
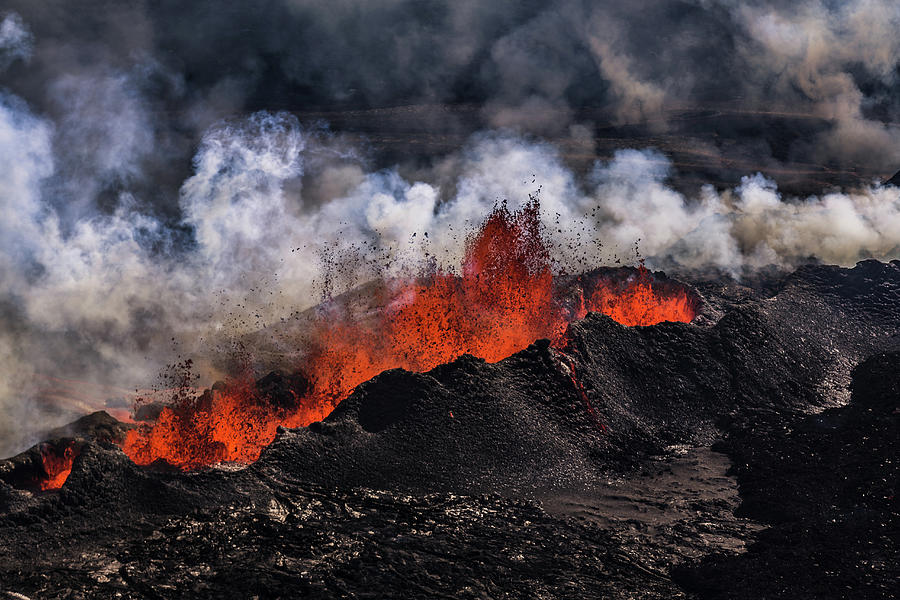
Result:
pixel 230 424
pixel 505 299
pixel 634 302
pixel 57 462
pixel 572 372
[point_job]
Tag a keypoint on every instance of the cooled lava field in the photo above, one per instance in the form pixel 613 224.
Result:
pixel 749 453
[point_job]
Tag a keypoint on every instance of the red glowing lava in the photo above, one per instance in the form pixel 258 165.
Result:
pixel 635 302
pixel 57 462
pixel 505 299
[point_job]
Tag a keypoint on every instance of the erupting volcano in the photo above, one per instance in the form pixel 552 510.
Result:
pixel 505 298
pixel 469 299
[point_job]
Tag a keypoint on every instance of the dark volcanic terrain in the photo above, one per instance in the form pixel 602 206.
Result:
pixel 752 453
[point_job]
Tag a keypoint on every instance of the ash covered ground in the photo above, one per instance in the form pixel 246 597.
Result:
pixel 751 453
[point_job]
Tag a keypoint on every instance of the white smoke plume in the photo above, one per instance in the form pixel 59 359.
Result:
pixel 808 53
pixel 257 242
pixel 106 276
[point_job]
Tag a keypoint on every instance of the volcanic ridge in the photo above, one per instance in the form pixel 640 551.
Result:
pixel 611 434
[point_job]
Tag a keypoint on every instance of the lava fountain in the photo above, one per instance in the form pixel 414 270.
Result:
pixel 505 298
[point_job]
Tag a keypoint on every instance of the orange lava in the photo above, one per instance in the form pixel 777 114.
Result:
pixel 57 462
pixel 636 303
pixel 505 299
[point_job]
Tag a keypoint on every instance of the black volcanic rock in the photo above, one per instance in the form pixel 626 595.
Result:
pixel 577 472
pixel 828 486
pixel 26 469
pixel 281 390
pixel 97 426
pixel 521 423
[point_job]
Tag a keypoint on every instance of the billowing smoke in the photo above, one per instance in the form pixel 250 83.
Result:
pixel 150 207
pixel 805 91
pixel 15 40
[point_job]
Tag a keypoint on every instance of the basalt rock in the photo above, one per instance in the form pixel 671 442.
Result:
pixel 827 485
pixel 671 461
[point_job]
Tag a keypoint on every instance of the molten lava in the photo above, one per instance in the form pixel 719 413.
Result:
pixel 572 372
pixel 57 462
pixel 636 303
pixel 505 299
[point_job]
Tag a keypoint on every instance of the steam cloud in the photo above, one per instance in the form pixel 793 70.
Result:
pixel 145 199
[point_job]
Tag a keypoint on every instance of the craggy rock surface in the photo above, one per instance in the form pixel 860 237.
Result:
pixel 719 459
pixel 827 484
pixel 24 470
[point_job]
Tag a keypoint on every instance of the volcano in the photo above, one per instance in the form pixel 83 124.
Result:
pixel 434 299
pixel 505 298
pixel 502 432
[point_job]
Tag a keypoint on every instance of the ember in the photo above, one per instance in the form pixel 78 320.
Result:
pixel 505 299
pixel 57 462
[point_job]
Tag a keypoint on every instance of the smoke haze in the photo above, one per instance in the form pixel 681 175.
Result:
pixel 176 176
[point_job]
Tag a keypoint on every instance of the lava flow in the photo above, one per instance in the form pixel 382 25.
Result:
pixel 57 462
pixel 505 299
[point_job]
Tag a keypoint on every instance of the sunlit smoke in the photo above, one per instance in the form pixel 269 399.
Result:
pixel 258 245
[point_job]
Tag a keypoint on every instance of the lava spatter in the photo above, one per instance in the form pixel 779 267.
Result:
pixel 505 298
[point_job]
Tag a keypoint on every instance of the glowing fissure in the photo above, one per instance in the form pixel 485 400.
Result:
pixel 57 462
pixel 572 373
pixel 504 299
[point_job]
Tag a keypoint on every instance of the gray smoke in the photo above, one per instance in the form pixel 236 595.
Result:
pixel 15 40
pixel 161 195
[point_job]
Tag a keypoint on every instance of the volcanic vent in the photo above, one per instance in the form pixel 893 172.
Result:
pixel 504 298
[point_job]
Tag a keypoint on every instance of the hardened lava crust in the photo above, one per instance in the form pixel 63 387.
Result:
pixel 751 453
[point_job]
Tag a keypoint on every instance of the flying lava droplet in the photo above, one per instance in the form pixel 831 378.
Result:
pixel 505 299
